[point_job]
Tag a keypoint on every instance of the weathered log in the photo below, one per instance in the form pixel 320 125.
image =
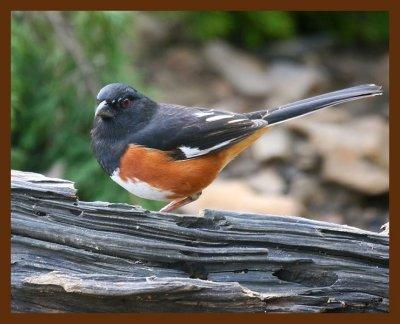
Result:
pixel 75 256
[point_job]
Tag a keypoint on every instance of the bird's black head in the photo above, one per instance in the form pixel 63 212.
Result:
pixel 117 99
pixel 121 113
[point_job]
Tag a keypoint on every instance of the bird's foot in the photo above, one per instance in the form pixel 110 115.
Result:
pixel 179 203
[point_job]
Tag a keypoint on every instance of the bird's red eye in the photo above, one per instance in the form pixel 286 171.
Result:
pixel 125 103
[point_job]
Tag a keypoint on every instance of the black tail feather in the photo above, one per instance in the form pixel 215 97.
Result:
pixel 309 105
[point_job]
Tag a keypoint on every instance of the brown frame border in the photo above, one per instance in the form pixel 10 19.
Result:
pixel 8 6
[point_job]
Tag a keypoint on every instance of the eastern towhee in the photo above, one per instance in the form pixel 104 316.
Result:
pixel 171 153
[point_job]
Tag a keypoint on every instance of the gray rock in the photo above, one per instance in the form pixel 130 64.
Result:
pixel 355 154
pixel 245 73
pixel 275 144
pixel 299 47
pixel 291 81
pixel 281 80
pixel 356 173
pixel 305 189
pixel 305 156
pixel 267 181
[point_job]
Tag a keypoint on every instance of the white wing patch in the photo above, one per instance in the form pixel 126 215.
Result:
pixel 195 151
pixel 203 114
pixel 190 151
pixel 218 117
pixel 236 120
pixel 214 115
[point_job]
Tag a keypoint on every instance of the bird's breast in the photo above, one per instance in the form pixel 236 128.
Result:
pixel 164 175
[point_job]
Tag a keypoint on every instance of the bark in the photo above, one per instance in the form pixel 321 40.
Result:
pixel 74 256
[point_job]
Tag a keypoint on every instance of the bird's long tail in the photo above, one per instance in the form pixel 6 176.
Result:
pixel 312 104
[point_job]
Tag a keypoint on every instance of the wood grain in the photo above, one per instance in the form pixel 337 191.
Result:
pixel 75 256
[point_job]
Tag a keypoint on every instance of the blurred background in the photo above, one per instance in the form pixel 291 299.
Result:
pixel 332 165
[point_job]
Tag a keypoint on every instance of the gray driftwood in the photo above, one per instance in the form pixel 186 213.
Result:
pixel 75 256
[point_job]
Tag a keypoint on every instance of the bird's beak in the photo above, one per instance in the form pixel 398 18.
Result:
pixel 104 110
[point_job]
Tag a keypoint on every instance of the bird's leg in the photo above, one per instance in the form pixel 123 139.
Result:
pixel 180 202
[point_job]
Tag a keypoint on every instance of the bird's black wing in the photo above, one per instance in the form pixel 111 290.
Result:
pixel 188 132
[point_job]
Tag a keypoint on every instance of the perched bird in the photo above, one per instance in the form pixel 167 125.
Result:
pixel 171 153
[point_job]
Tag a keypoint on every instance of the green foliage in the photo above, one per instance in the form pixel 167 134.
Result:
pixel 270 24
pixel 52 110
pixel 252 28
pixel 205 25
pixel 367 28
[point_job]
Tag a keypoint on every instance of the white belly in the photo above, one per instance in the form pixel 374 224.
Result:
pixel 140 188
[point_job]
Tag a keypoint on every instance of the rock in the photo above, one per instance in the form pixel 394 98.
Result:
pixel 349 67
pixel 184 62
pixel 223 91
pixel 356 173
pixel 330 115
pixel 291 82
pixel 267 181
pixel 275 144
pixel 355 69
pixel 355 154
pixel 235 195
pixel 306 157
pixel 244 72
pixel 177 71
pixel 181 70
pixel 305 189
pixel 243 165
pixel 282 80
pixel 299 47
